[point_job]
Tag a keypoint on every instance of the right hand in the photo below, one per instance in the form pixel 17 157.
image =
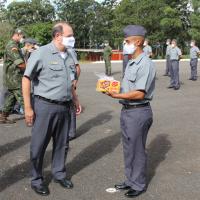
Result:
pixel 29 116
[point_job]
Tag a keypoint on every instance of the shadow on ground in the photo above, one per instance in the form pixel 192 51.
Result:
pixel 86 157
pixel 100 119
pixel 157 151
pixel 12 146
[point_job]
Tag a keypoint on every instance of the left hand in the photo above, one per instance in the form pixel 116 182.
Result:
pixel 111 94
pixel 78 107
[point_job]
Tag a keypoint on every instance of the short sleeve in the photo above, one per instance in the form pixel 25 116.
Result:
pixel 150 49
pixel 167 51
pixel 179 52
pixel 34 65
pixel 142 78
pixel 73 54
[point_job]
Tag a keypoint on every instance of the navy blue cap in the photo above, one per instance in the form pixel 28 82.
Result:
pixel 134 30
pixel 30 41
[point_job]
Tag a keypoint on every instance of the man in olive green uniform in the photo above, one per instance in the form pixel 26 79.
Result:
pixel 107 57
pixel 13 68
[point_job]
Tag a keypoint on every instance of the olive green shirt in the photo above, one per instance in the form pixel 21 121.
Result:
pixel 12 74
pixel 107 52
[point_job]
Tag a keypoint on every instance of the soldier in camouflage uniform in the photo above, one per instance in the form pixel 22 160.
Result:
pixel 13 69
pixel 107 57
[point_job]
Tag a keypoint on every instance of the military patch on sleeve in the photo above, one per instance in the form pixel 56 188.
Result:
pixel 14 49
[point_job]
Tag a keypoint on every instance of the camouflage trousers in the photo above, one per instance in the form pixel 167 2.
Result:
pixel 108 66
pixel 11 99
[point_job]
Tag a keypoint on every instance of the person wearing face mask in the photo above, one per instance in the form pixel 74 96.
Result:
pixel 13 69
pixel 175 55
pixel 50 69
pixel 168 64
pixel 107 52
pixel 147 48
pixel 194 53
pixel 136 115
pixel 125 58
pixel 28 48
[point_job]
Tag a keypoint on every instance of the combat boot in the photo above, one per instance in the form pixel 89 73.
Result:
pixel 4 119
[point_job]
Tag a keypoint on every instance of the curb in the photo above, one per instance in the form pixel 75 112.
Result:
pixel 160 60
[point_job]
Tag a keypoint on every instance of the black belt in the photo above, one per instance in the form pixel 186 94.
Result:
pixel 136 106
pixel 64 103
pixel 174 60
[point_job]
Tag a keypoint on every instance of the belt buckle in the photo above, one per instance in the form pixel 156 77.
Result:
pixel 127 106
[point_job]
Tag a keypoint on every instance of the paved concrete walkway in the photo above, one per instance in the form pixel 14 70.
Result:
pixel 95 160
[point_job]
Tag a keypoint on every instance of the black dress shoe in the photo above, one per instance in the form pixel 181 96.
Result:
pixel 133 193
pixel 170 86
pixel 72 138
pixel 122 186
pixel 65 183
pixel 176 88
pixel 41 190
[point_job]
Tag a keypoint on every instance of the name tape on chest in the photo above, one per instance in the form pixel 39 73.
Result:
pixel 54 63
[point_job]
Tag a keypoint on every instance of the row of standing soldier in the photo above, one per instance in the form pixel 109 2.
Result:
pixel 173 56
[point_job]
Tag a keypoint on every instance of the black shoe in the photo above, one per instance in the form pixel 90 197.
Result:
pixel 176 88
pixel 170 86
pixel 165 75
pixel 122 186
pixel 133 193
pixel 72 138
pixel 41 190
pixel 65 183
pixel 190 79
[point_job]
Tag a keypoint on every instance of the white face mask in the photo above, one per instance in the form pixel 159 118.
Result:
pixel 167 43
pixel 21 40
pixel 68 42
pixel 129 48
pixel 145 43
pixel 192 44
pixel 173 45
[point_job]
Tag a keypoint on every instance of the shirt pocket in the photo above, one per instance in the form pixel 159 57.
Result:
pixel 132 75
pixel 55 71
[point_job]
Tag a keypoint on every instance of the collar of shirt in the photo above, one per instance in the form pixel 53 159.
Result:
pixel 54 48
pixel 63 54
pixel 138 59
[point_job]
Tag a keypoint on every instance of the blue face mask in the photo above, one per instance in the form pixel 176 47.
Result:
pixel 129 48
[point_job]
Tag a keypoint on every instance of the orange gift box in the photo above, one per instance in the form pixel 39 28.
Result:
pixel 108 86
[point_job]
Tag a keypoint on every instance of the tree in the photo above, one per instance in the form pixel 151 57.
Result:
pixel 147 13
pixel 5 34
pixel 39 31
pixel 90 19
pixel 194 30
pixel 29 12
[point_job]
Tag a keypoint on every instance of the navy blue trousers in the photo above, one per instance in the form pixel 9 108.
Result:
pixel 135 124
pixel 51 121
